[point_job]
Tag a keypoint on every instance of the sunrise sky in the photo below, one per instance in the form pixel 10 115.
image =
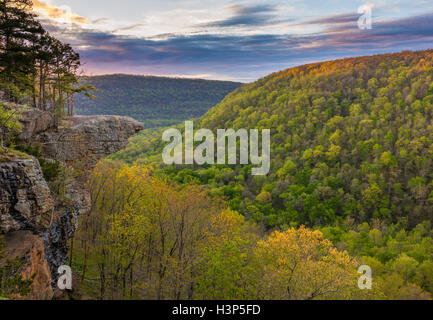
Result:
pixel 230 39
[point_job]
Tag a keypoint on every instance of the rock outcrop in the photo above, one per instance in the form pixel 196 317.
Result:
pixel 81 141
pixel 87 139
pixel 37 231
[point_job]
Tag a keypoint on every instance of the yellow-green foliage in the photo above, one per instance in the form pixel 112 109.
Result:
pixel 147 238
pixel 9 123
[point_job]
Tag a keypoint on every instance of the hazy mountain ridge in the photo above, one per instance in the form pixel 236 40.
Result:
pixel 157 101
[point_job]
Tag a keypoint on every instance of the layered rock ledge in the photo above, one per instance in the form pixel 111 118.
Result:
pixel 87 139
pixel 81 141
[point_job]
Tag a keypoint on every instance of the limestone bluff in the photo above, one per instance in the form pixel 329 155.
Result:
pixel 36 228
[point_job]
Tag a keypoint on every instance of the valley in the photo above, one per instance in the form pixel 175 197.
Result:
pixel 314 182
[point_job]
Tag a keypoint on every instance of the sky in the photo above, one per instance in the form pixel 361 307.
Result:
pixel 238 40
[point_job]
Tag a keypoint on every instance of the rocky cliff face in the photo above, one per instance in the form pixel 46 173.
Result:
pixel 37 231
pixel 25 199
pixel 26 208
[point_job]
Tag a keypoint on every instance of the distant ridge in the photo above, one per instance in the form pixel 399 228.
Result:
pixel 156 101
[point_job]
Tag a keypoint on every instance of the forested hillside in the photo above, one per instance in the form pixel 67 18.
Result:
pixel 149 238
pixel 351 155
pixel 153 100
pixel 350 139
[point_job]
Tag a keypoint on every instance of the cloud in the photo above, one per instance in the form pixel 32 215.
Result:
pixel 252 9
pixel 245 57
pixel 100 20
pixel 129 28
pixel 335 19
pixel 418 29
pixel 259 15
pixel 62 12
